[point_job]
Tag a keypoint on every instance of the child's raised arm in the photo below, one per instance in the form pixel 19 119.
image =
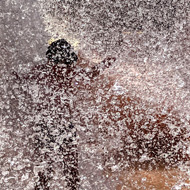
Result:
pixel 99 68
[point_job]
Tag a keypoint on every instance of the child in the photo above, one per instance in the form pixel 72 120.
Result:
pixel 52 87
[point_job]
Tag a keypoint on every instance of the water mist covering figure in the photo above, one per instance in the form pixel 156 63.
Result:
pixel 52 87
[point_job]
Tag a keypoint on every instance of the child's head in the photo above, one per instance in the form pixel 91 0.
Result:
pixel 61 51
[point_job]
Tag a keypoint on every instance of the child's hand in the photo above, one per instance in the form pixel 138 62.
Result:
pixel 106 63
pixel 97 69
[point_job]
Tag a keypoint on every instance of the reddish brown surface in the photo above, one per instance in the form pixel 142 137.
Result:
pixel 156 179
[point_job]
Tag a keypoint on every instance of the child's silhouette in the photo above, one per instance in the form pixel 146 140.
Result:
pixel 58 81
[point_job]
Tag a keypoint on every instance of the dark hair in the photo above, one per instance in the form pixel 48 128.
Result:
pixel 61 51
